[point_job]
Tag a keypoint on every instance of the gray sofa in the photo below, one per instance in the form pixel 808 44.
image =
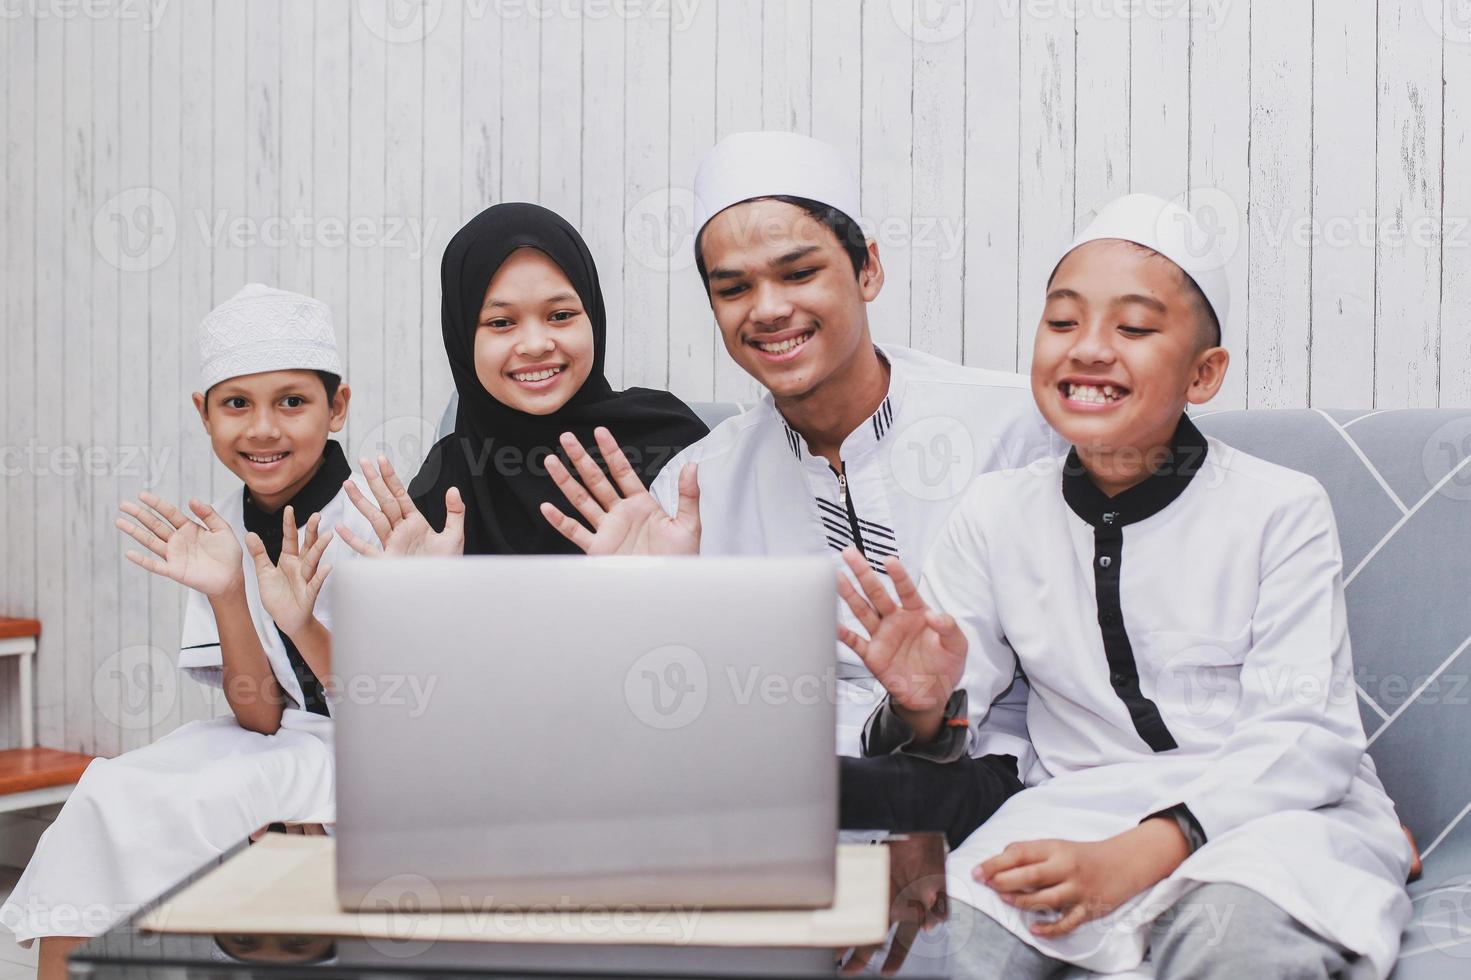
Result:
pixel 1400 482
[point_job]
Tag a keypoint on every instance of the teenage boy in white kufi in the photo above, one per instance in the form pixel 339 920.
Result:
pixel 853 444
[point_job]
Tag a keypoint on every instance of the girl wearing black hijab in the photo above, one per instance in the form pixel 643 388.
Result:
pixel 525 330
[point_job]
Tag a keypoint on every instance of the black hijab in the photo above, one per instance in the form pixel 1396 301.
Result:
pixel 496 454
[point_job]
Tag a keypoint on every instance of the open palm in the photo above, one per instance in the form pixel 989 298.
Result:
pixel 625 517
pixel 401 528
pixel 205 557
pixel 915 652
pixel 289 587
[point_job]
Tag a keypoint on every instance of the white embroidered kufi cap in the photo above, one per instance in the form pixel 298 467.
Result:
pixel 264 329
pixel 1170 229
pixel 768 164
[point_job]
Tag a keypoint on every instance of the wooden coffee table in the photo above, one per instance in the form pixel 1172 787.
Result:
pixel 917 865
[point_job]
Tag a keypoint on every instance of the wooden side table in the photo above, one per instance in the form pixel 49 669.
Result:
pixel 18 639
pixel 32 776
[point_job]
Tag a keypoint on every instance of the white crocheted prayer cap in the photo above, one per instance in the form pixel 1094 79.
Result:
pixel 1170 229
pixel 264 329
pixel 766 164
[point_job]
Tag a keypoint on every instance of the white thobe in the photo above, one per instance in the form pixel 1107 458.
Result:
pixel 139 823
pixel 1185 643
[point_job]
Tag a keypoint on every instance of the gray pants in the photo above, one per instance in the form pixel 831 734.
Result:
pixel 1216 932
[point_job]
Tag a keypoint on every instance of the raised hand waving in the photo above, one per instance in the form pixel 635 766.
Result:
pixel 625 517
pixel 204 556
pixel 289 587
pixel 402 530
pixel 918 654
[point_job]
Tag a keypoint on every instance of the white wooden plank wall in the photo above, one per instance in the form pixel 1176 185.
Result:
pixel 158 154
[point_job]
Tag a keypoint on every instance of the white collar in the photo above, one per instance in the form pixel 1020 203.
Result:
pixel 869 433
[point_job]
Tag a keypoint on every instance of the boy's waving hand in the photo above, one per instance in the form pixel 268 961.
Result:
pixel 205 557
pixel 918 654
pixel 289 587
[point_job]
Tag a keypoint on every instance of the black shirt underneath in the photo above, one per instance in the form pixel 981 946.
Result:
pixel 310 499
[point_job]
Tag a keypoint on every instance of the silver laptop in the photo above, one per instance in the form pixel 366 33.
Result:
pixel 574 732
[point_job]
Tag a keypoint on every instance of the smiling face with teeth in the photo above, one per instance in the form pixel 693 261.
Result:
pixel 270 428
pixel 1120 351
pixel 791 311
pixel 534 343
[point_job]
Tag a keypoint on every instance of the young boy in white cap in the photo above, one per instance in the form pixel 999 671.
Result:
pixel 1204 792
pixel 854 444
pixel 254 624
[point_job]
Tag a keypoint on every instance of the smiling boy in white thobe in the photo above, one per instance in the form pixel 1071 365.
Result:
pixel 254 625
pixel 1203 792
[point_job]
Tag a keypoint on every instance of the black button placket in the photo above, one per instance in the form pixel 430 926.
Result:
pixel 319 491
pixel 1108 517
pixel 1123 671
